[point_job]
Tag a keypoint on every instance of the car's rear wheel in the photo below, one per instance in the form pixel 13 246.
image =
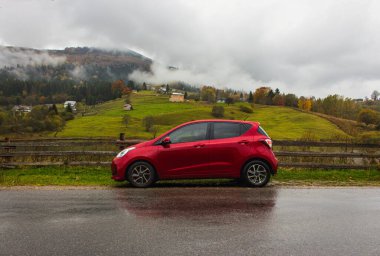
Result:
pixel 256 173
pixel 141 174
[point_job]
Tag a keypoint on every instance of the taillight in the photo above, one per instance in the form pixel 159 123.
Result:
pixel 267 142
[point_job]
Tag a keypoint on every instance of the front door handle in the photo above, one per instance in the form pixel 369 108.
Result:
pixel 244 142
pixel 199 145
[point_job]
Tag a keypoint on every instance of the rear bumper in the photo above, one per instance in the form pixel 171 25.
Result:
pixel 275 167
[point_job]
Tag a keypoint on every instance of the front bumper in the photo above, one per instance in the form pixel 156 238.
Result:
pixel 116 174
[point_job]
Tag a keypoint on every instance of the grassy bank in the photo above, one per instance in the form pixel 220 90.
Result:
pixel 90 176
pixel 106 120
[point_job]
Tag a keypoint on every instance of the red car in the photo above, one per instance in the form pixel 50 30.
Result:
pixel 200 149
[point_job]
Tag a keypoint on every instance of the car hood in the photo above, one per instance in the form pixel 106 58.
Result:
pixel 142 144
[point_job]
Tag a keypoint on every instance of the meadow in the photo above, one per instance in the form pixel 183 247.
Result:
pixel 106 120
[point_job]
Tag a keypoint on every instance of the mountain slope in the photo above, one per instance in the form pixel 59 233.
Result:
pixel 80 63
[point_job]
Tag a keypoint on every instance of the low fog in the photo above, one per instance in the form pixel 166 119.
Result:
pixel 14 57
pixel 301 46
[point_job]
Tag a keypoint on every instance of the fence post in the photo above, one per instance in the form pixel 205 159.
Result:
pixel 121 141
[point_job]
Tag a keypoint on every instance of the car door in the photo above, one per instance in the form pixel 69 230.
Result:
pixel 228 146
pixel 187 155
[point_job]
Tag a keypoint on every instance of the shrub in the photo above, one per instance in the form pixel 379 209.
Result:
pixel 217 111
pixel 369 116
pixel 148 123
pixel 246 109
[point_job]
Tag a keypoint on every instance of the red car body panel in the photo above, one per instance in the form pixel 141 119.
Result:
pixel 211 158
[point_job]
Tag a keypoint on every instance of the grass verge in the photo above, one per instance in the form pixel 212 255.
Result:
pixel 100 176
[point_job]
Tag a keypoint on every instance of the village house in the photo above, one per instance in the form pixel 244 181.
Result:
pixel 177 97
pixel 22 108
pixel 73 105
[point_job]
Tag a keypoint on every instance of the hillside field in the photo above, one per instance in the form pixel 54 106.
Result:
pixel 105 120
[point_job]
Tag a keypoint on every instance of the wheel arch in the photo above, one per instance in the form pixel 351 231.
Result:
pixel 257 159
pixel 141 160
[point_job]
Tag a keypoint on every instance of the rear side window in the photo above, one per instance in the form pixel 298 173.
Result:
pixel 244 128
pixel 262 131
pixel 229 130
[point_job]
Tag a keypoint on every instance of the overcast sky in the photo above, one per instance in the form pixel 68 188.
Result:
pixel 305 47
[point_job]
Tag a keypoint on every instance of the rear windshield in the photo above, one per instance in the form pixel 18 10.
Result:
pixel 262 131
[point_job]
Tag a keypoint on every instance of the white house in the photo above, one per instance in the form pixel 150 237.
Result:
pixel 22 108
pixel 73 104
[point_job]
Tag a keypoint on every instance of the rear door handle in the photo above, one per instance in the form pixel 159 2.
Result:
pixel 244 142
pixel 199 145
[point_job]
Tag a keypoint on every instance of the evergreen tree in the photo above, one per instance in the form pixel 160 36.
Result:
pixel 69 108
pixel 250 97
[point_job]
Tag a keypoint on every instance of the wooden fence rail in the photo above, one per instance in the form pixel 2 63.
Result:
pixel 89 142
pixel 113 153
pixel 105 163
pixel 11 150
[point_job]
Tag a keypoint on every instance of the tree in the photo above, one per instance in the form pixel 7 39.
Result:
pixel 375 95
pixel 304 104
pixel 369 116
pixel 250 97
pixel 119 88
pixel 69 108
pixel 144 87
pixel 260 95
pixel 208 93
pixel 291 100
pixel 217 111
pixel 54 109
pixel 269 97
pixel 279 100
pixel 167 89
pixel 230 100
pixel 185 96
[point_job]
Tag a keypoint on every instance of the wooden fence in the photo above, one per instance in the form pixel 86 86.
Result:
pixel 99 152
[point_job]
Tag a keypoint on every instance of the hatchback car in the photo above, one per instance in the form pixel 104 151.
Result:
pixel 200 149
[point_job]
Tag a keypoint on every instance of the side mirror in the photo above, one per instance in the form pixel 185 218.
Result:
pixel 166 141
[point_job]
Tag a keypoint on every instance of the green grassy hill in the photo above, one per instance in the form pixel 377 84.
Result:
pixel 279 122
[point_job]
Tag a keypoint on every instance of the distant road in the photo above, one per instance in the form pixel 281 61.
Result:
pixel 191 221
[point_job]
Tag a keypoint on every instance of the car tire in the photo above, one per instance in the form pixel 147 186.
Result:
pixel 141 174
pixel 256 173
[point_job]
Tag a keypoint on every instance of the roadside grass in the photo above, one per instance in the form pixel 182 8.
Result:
pixel 279 122
pixel 101 176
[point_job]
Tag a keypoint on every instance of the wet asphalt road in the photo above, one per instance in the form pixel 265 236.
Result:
pixel 191 221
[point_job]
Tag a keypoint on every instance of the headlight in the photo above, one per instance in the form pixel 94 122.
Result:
pixel 124 152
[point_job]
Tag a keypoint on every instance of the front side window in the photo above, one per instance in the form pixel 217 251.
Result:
pixel 189 133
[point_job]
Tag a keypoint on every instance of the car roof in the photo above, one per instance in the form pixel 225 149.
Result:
pixel 222 120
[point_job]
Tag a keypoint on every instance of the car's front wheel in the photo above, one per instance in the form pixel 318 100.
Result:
pixel 256 173
pixel 141 174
